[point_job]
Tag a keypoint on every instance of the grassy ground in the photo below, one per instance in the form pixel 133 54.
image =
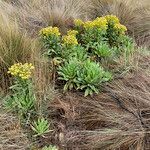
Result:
pixel 118 118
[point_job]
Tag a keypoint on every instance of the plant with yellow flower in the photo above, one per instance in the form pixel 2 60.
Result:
pixel 51 38
pixel 78 22
pixel 20 70
pixel 72 32
pixel 99 23
pixel 91 31
pixel 49 31
pixel 115 30
pixel 69 43
pixel 112 19
pixel 120 28
pixel 69 40
pixel 22 99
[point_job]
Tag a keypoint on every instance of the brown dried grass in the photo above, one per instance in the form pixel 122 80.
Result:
pixel 116 119
pixel 32 15
pixel 12 137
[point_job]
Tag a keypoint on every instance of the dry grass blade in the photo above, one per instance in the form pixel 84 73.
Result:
pixel 35 14
pixel 11 134
pixel 15 46
pixel 116 119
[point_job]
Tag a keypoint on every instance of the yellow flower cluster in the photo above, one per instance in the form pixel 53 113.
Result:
pixel 78 22
pixel 100 23
pixel 70 40
pixel 72 32
pixel 50 31
pixel 112 18
pixel 120 28
pixel 88 25
pixel 21 70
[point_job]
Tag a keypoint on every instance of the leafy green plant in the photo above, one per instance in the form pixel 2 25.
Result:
pixel 102 39
pixel 50 148
pixel 22 98
pixel 126 42
pixel 90 77
pixel 86 75
pixel 115 30
pixel 79 53
pixel 52 41
pixel 68 73
pixel 40 127
pixel 103 50
pixel 22 101
pixel 93 32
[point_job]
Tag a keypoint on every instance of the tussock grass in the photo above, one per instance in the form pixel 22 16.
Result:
pixel 15 46
pixel 116 119
pixel 11 135
pixel 35 14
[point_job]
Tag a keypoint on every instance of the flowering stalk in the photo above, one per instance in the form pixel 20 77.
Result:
pixel 52 41
pixel 22 99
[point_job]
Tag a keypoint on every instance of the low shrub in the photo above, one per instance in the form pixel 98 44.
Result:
pixel 22 99
pixel 90 76
pixel 79 54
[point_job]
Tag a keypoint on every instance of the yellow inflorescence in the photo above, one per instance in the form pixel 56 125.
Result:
pixel 120 28
pixel 78 22
pixel 100 23
pixel 112 18
pixel 89 25
pixel 21 70
pixel 72 32
pixel 70 40
pixel 50 31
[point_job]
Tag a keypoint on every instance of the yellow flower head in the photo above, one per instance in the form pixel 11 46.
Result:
pixel 70 40
pixel 89 25
pixel 50 31
pixel 21 70
pixel 100 22
pixel 72 32
pixel 78 22
pixel 120 28
pixel 112 18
